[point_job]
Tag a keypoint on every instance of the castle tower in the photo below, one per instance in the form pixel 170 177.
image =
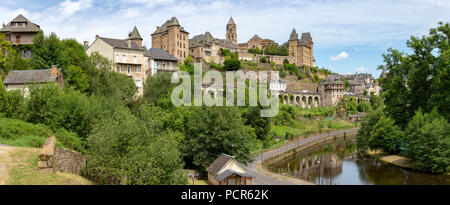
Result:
pixel 231 31
pixel 293 42
pixel 135 36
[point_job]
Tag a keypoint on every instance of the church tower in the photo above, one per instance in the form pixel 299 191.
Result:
pixel 231 31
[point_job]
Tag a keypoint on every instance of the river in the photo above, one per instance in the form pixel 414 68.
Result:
pixel 339 162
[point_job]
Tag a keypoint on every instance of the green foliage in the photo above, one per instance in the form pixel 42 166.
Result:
pixel 263 59
pixel 385 135
pixel 45 51
pixel 418 80
pixel 428 142
pixel 255 51
pixel 231 64
pixel 76 78
pixel 127 149
pixel 188 65
pixel 210 131
pixel 105 82
pixel 19 133
pixel 12 103
pixel 365 128
pixel 2 87
pixel 158 86
pixel 261 125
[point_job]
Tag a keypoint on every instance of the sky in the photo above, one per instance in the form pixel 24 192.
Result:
pixel 349 35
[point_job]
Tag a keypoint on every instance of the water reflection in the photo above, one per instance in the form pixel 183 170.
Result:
pixel 340 163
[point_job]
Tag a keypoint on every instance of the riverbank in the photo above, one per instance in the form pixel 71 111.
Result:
pixel 264 177
pixel 393 159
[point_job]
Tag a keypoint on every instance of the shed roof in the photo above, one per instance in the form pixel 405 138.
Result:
pixel 157 53
pixel 29 76
pixel 219 163
pixel 229 172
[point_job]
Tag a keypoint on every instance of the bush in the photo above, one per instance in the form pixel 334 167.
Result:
pixel 12 104
pixel 428 142
pixel 125 149
pixel 231 64
pixel 385 135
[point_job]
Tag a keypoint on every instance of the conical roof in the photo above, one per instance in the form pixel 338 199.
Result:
pixel 174 22
pixel 135 34
pixel 294 35
pixel 20 18
pixel 231 21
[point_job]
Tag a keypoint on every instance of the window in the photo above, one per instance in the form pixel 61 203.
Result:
pixel 119 68
pixel 134 59
pixel 129 70
pixel 117 57
pixel 17 39
pixel 124 58
pixel 138 82
pixel 8 37
pixel 138 69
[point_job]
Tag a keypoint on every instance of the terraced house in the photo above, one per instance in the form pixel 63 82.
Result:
pixel 127 56
pixel 21 31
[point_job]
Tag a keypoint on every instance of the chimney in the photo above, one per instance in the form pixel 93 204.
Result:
pixel 96 36
pixel 54 71
pixel 86 43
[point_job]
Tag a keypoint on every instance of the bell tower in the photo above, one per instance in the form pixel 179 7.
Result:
pixel 231 31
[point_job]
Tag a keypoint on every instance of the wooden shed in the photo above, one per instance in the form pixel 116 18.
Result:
pixel 226 170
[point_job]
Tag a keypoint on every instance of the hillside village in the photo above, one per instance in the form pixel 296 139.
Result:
pixel 102 110
pixel 171 45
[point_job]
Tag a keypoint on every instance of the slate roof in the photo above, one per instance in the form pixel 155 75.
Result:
pixel 134 34
pixel 207 38
pixel 306 38
pixel 164 27
pixel 229 172
pixel 119 43
pixel 294 35
pixel 219 163
pixel 231 21
pixel 29 76
pixel 30 26
pixel 157 53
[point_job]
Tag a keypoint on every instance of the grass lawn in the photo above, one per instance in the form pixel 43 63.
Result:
pixel 23 170
pixel 198 182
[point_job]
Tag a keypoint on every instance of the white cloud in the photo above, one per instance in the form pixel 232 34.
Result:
pixel 340 56
pixel 68 8
pixel 360 69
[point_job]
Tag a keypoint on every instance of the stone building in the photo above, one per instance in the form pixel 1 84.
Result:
pixel 127 56
pixel 206 47
pixel 172 38
pixel 21 31
pixel 301 49
pixel 231 31
pixel 332 90
pixel 226 170
pixel 256 42
pixel 159 60
pixel 20 79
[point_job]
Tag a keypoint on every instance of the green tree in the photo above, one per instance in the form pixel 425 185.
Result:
pixel 72 53
pixel 158 86
pixel 210 131
pixel 364 133
pixel 385 135
pixel 261 125
pixel 428 142
pixel 231 64
pixel 127 149
pixel 45 51
pixel 76 78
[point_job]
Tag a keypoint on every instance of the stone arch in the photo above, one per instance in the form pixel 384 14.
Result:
pixel 316 101
pixel 310 102
pixel 280 98
pixel 304 102
pixel 286 99
pixel 297 100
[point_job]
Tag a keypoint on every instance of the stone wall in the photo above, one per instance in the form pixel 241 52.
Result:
pixel 53 158
pixel 69 161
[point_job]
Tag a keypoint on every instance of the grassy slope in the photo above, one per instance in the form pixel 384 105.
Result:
pixel 23 170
